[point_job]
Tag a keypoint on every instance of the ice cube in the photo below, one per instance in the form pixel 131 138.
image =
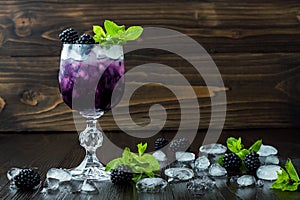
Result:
pixel 213 149
pixel 78 52
pixel 88 187
pixel 184 156
pixel 271 160
pixel 246 180
pixel 260 183
pixel 268 172
pixel 179 174
pixel 151 185
pixel 201 163
pixel 200 185
pixel 267 150
pixel 114 52
pixel 217 170
pixel 52 184
pixel 59 174
pixel 160 156
pixel 11 173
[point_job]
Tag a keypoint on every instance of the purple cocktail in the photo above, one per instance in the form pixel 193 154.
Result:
pixel 91 80
pixel 88 76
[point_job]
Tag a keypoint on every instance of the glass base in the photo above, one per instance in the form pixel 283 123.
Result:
pixel 90 169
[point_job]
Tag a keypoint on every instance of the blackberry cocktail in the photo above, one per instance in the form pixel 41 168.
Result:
pixel 91 80
pixel 88 76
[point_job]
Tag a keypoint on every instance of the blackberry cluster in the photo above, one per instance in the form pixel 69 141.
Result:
pixel 27 179
pixel 231 161
pixel 252 161
pixel 69 36
pixel 122 174
pixel 160 143
pixel 85 39
pixel 181 144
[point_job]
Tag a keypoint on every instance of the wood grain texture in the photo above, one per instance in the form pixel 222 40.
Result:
pixel 260 92
pixel 254 44
pixel 62 150
pixel 31 27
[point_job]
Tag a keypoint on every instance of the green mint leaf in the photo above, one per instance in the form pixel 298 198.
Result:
pixel 242 154
pixel 220 160
pixel 277 186
pixel 234 145
pixel 112 28
pixel 142 148
pixel 256 146
pixel 114 164
pixel 98 30
pixel 150 174
pixel 282 176
pixel 153 163
pixel 137 177
pixel 284 182
pixel 291 170
pixel 132 33
pixel 290 187
pixel 127 155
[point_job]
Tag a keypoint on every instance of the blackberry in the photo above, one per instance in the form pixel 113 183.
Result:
pixel 232 161
pixel 27 179
pixel 252 161
pixel 69 36
pixel 160 143
pixel 181 144
pixel 122 174
pixel 85 39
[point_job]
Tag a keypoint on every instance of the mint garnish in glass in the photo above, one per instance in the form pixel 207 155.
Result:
pixel 113 34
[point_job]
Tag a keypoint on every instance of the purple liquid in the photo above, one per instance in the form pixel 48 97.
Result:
pixel 89 83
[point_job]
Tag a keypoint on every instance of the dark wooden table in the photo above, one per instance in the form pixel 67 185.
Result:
pixel 62 150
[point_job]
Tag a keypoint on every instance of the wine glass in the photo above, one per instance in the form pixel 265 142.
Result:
pixel 89 75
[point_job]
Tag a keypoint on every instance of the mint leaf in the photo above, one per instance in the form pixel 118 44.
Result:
pixel 282 176
pixel 114 164
pixel 142 148
pixel 242 154
pixel 256 146
pixel 291 170
pixel 112 28
pixel 126 155
pixel 220 160
pixel 290 187
pixel 98 30
pixel 153 163
pixel 132 33
pixel 287 179
pixel 234 145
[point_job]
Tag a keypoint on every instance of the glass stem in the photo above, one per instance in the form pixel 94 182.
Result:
pixel 91 138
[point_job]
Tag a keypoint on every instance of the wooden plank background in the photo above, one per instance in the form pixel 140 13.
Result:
pixel 255 44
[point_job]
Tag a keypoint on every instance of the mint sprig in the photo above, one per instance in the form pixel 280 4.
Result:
pixel 115 34
pixel 287 179
pixel 142 165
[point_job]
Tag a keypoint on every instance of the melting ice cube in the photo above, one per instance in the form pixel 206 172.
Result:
pixel 184 156
pixel 151 185
pixel 246 180
pixel 59 174
pixel 268 172
pixel 213 149
pixel 267 150
pixel 179 174
pixel 217 170
pixel 160 156
pixel 201 163
pixel 200 185
pixel 12 173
